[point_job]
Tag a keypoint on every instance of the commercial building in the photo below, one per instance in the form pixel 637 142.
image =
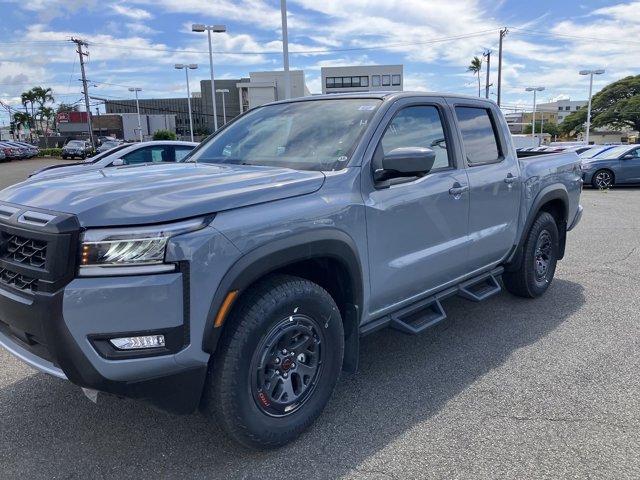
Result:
pixel 125 125
pixel 362 78
pixel 562 108
pixel 265 87
pixel 243 93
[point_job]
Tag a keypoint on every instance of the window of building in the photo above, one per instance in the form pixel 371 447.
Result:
pixel 395 79
pixel 346 81
pixel 577 107
pixel 329 82
pixel 355 81
pixel 364 81
pixel 419 126
pixel 338 82
pixel 386 80
pixel 559 108
pixel 478 135
pixel 567 108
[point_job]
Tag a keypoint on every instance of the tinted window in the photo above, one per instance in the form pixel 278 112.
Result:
pixel 478 135
pixel 182 152
pixel 419 126
pixel 148 154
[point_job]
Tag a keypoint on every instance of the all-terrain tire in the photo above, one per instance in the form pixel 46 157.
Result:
pixel 540 257
pixel 234 394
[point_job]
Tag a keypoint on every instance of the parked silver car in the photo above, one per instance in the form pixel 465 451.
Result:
pixel 124 154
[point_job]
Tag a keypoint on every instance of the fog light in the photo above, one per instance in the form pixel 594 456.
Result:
pixel 133 343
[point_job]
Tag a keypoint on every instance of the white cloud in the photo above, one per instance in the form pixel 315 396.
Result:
pixel 131 12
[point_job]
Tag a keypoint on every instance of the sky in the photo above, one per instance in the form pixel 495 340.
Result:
pixel 137 42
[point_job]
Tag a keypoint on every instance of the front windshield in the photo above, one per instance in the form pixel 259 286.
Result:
pixel 308 135
pixel 592 152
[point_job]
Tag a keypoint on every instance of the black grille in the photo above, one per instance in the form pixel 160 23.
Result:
pixel 26 251
pixel 21 282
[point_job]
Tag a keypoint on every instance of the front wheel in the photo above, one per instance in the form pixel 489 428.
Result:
pixel 278 362
pixel 540 256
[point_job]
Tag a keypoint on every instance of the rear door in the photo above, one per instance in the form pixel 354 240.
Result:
pixel 492 168
pixel 416 227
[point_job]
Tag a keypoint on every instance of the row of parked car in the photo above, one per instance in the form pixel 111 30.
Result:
pixel 15 150
pixel 603 166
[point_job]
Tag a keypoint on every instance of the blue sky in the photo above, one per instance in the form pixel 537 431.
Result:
pixel 136 43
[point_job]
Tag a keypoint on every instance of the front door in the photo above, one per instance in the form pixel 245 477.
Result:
pixel 416 227
pixel 629 170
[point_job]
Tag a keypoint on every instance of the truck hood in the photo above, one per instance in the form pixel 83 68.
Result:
pixel 151 193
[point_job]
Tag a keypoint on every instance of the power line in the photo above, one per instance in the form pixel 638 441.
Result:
pixel 534 33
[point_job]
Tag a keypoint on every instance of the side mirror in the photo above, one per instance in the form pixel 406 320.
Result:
pixel 406 162
pixel 628 156
pixel 118 162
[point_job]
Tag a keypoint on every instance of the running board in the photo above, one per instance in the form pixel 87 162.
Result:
pixel 479 289
pixel 419 317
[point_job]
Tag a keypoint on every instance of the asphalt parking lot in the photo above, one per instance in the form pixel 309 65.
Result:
pixel 508 388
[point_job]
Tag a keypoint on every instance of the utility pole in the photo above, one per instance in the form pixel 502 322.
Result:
pixel 487 54
pixel 503 33
pixel 81 43
pixel 285 49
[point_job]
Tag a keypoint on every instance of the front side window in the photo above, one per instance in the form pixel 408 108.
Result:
pixel 478 135
pixel 419 126
pixel 181 152
pixel 305 135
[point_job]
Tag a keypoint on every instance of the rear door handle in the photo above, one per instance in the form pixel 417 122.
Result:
pixel 510 178
pixel 458 190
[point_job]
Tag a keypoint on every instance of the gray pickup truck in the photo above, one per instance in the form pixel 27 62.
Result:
pixel 241 280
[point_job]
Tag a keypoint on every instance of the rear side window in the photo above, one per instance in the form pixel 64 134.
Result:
pixel 478 135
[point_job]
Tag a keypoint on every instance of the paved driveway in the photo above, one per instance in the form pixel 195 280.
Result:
pixel 509 388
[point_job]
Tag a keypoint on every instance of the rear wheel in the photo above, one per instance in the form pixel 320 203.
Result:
pixel 540 256
pixel 603 179
pixel 278 362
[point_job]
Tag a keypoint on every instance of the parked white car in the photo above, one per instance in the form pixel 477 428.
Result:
pixel 125 154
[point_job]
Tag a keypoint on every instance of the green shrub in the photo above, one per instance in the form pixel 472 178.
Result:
pixel 50 152
pixel 164 135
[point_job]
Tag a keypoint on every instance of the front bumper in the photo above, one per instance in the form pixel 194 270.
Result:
pixel 61 325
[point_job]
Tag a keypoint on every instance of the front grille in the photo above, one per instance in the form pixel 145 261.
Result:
pixel 16 280
pixel 26 251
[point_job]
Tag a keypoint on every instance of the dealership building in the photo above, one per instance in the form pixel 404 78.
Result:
pixel 362 78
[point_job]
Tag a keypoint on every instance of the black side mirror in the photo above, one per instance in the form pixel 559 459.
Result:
pixel 406 162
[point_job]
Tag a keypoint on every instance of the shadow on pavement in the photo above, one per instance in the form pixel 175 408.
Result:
pixel 48 428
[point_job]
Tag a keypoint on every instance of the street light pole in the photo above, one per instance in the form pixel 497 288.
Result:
pixel 285 49
pixel 224 108
pixel 199 27
pixel 186 67
pixel 136 90
pixel 533 120
pixel 591 73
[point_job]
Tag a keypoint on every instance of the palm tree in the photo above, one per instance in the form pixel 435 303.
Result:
pixel 42 96
pixel 29 97
pixel 21 118
pixel 476 67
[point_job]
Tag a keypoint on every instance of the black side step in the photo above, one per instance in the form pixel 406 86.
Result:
pixel 418 317
pixel 480 289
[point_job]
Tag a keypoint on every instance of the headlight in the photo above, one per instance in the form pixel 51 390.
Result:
pixel 130 251
pixel 585 166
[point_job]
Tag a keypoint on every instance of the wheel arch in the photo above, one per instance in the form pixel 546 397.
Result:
pixel 553 199
pixel 327 257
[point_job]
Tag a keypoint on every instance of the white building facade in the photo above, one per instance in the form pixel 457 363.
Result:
pixel 562 107
pixel 362 78
pixel 265 87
